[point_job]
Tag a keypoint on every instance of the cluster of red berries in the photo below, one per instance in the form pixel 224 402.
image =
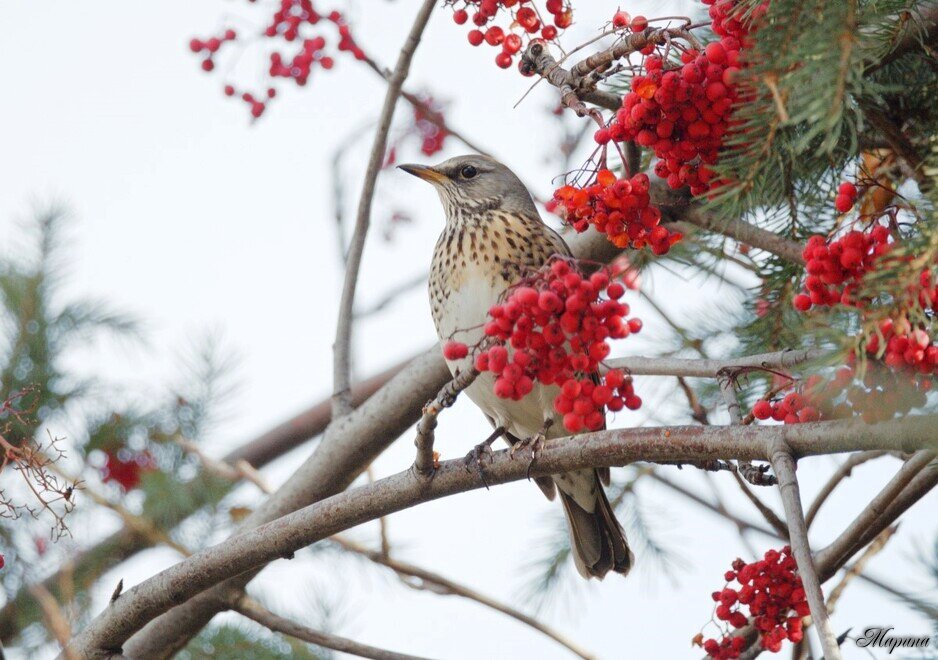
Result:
pixel 525 22
pixel 835 267
pixel 211 46
pixel 683 113
pixel 287 23
pixel 257 105
pixel 904 346
pixel 619 208
pixel 430 134
pixel 846 197
pixel 794 408
pixel 125 467
pixel 772 591
pixel 557 324
pixel 622 21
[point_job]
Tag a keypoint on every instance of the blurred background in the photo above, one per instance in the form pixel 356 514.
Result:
pixel 172 268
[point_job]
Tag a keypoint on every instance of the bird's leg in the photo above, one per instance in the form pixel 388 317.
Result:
pixel 535 442
pixel 482 449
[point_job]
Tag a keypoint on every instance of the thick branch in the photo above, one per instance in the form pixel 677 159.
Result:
pixel 342 368
pixel 253 610
pixel 252 549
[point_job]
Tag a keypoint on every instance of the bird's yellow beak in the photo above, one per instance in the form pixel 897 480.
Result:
pixel 426 173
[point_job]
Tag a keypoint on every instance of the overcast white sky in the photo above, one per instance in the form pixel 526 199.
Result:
pixel 194 219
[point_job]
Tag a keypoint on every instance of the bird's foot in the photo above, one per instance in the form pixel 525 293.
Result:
pixel 535 442
pixel 484 448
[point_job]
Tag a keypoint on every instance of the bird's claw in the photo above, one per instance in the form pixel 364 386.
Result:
pixel 475 456
pixel 535 442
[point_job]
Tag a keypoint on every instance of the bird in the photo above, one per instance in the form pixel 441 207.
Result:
pixel 493 236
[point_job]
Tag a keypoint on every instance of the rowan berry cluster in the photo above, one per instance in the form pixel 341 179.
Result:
pixel 619 208
pixel 904 346
pixel 430 134
pixel 846 197
pixel 836 267
pixel 125 467
pixel 683 112
pixel 772 591
pixel 794 408
pixel 524 23
pixel 554 328
pixel 211 46
pixel 290 22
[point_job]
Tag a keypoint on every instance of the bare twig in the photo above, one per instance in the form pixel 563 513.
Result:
pixel 844 471
pixel 784 466
pixel 754 475
pixel 441 585
pixel 424 463
pixel 688 367
pixel 342 368
pixel 250 608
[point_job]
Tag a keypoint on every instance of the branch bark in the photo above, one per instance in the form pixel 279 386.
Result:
pixel 342 368
pixel 247 552
pixel 784 466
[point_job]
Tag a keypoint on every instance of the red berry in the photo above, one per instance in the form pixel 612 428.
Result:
pixel 802 302
pixel 454 350
pixel 639 23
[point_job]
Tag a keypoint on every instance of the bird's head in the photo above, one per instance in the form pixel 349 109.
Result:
pixel 475 183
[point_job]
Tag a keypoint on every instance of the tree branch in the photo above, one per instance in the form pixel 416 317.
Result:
pixel 445 586
pixel 784 466
pixel 342 369
pixel 247 552
pixel 250 608
pixel 692 367
pixel 911 482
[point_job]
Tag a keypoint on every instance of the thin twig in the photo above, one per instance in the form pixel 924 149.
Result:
pixel 424 463
pixel 784 466
pixel 250 608
pixel 342 367
pixel 444 585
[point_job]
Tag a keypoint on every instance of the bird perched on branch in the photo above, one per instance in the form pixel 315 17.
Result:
pixel 494 235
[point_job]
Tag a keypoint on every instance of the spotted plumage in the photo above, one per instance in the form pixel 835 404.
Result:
pixel 492 238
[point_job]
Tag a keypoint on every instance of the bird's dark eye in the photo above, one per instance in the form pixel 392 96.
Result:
pixel 468 172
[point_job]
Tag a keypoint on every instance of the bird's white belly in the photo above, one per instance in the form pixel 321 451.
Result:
pixel 463 316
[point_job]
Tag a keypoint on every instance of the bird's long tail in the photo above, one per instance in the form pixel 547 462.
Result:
pixel 597 540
